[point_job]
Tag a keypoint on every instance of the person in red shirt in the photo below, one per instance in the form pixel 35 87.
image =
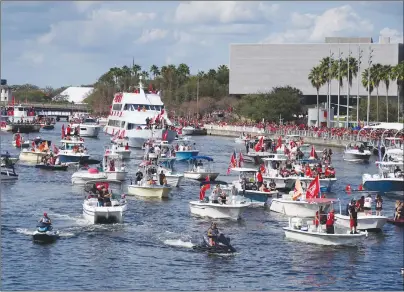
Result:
pixel 260 180
pixel 127 146
pixel 330 222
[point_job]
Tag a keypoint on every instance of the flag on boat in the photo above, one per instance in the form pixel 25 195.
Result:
pixel 314 189
pixel 63 131
pixel 165 134
pixel 279 143
pixel 262 168
pixel 203 190
pixel 298 191
pixel 313 153
pixel 55 150
pixel 33 144
pixel 240 159
pixel 233 162
pixel 259 145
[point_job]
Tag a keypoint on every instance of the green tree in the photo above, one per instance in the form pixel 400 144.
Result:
pixel 316 77
pixel 398 75
pixel 386 76
pixel 376 74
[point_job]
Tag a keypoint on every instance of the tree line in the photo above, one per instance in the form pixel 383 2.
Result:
pixel 344 70
pixel 32 93
pixel 178 87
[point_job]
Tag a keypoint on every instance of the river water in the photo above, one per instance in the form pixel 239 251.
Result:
pixel 152 249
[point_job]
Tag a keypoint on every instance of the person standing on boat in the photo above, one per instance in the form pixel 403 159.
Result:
pixel 367 205
pixel 379 205
pixel 260 180
pixel 139 176
pixel 330 222
pixel 353 216
pixel 162 176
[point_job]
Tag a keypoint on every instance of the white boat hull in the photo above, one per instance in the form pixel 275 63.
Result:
pixel 116 175
pixel 89 131
pixel 370 222
pixel 6 128
pixel 79 177
pixel 173 180
pixel 94 214
pixel 323 238
pixel 7 176
pixel 200 175
pixel 149 192
pixel 355 155
pixel 124 153
pixel 291 208
pixel 30 156
pixel 280 181
pixel 217 211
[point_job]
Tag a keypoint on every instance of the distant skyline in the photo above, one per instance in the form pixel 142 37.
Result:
pixel 73 43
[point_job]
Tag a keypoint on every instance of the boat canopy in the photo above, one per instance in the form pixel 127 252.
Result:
pixel 201 157
pixel 244 169
pixel 387 126
pixel 216 182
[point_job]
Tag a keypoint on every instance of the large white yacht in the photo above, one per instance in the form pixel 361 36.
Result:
pixel 128 116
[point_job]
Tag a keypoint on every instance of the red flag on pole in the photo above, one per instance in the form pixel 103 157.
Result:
pixel 314 189
pixel 259 145
pixel 203 189
pixel 63 131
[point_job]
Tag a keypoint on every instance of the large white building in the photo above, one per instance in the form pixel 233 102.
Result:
pixel 6 94
pixel 260 67
pixel 76 94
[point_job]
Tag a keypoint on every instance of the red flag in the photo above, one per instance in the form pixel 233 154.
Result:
pixel 259 145
pixel 33 144
pixel 55 149
pixel 203 189
pixel 314 189
pixel 165 134
pixel 313 152
pixel 162 112
pixel 233 162
pixel 179 131
pixel 240 159
pixel 279 143
pixel 63 131
pixel 138 108
pixel 18 141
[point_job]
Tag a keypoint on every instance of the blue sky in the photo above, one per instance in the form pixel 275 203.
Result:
pixel 73 43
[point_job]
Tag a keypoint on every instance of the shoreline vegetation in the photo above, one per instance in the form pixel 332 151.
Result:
pixel 179 90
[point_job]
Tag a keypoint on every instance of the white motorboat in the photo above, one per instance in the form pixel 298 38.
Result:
pixel 388 180
pixel 35 154
pixel 20 142
pixel 365 222
pixel 247 185
pixel 102 121
pixel 258 148
pixel 7 174
pixel 189 130
pixel 94 213
pixel 242 139
pixel 129 113
pixel 89 127
pixel 72 150
pixel 113 166
pixel 173 179
pixel 357 153
pixel 122 150
pixel 317 235
pixel 200 171
pixel 84 174
pixel 215 208
pixel 149 190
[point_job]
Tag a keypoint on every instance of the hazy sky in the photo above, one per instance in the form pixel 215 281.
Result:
pixel 73 43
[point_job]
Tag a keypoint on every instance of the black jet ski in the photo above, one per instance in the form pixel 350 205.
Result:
pixel 222 245
pixel 45 233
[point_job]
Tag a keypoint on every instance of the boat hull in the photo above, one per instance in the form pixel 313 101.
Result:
pixel 172 179
pixel 201 176
pixel 323 238
pixel 139 137
pixel 66 158
pixel 25 128
pixel 357 156
pixel 384 185
pixel 370 222
pixel 104 215
pixel 124 153
pixel 45 237
pixel 48 127
pixel 325 183
pixel 51 167
pixel 257 197
pixel 79 178
pixel 8 175
pixel 149 192
pixel 116 175
pixel 291 208
pixel 30 156
pixel 90 131
pixel 185 155
pixel 217 211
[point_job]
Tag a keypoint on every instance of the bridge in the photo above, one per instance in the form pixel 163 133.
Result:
pixel 57 110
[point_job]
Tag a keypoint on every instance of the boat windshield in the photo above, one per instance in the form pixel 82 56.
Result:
pixel 89 120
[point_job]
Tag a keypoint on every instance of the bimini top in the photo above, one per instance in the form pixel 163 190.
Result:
pixel 387 126
pixel 215 182
pixel 201 157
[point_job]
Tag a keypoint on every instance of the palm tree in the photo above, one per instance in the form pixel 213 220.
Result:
pixel 145 74
pixel 154 70
pixel 126 75
pixel 326 65
pixel 366 84
pixel 386 76
pixel 398 74
pixel 338 73
pixel 375 75
pixel 316 77
pixel 351 71
pixel 136 69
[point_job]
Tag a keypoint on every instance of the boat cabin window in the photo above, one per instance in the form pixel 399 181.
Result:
pixel 89 120
pixel 135 107
pixel 117 107
pixel 113 123
pixel 132 126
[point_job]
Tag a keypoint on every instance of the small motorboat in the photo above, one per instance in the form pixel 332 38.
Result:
pixel 51 167
pixel 45 233
pixel 199 171
pixel 398 222
pixel 84 175
pixel 113 166
pixel 357 153
pixel 222 245
pixel 8 174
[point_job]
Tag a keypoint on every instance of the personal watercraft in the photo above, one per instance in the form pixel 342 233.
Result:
pixel 45 233
pixel 222 245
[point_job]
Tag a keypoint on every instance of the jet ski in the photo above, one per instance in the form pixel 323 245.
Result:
pixel 222 245
pixel 45 233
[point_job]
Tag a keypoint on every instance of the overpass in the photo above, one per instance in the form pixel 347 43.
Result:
pixel 56 110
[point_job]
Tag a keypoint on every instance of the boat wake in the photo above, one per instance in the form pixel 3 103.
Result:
pixel 29 232
pixel 178 243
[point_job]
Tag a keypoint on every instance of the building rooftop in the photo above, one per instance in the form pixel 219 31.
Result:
pixel 348 40
pixel 77 94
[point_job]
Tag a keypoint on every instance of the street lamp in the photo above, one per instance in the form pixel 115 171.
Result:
pixel 349 88
pixel 339 83
pixel 357 94
pixel 369 64
pixel 330 61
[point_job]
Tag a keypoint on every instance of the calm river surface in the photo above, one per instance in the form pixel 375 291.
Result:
pixel 151 250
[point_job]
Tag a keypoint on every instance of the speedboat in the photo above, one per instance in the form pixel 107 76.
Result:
pixel 365 222
pixel 386 181
pixel 112 165
pixel 104 214
pixel 199 171
pixel 73 151
pixel 185 151
pixel 121 150
pixel 242 139
pixel 247 186
pixel 148 187
pixel 397 222
pixel 357 153
pixel 7 173
pixel 232 209
pixel 222 245
pixel 45 233
pixel 37 152
pixel 309 233
pixel 84 174
pixel 88 127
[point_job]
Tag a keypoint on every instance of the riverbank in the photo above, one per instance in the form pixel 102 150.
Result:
pixel 310 137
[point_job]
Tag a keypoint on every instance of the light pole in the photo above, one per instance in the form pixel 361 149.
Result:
pixel 339 83
pixel 330 61
pixel 349 88
pixel 357 93
pixel 369 64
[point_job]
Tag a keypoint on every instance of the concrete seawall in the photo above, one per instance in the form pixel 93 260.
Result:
pixel 308 137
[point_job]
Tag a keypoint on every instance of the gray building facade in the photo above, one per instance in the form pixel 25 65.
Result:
pixel 258 68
